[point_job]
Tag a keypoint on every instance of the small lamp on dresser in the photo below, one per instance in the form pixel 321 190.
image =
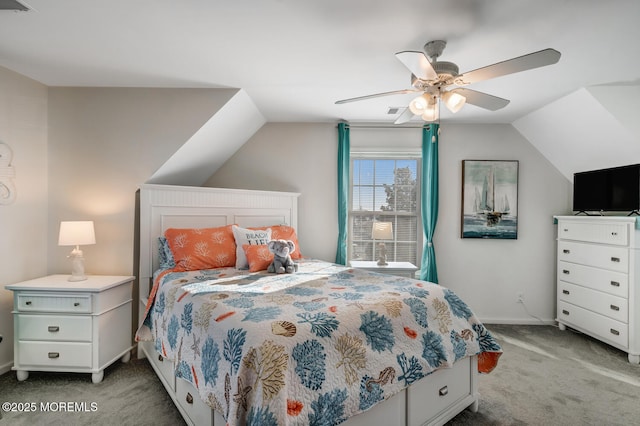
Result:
pixel 382 231
pixel 76 233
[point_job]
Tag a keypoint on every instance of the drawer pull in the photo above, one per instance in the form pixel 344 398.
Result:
pixel 54 355
pixel 614 308
pixel 615 259
pixel 564 311
pixel 189 398
pixel 566 251
pixel 53 328
pixel 76 303
pixel 614 332
pixel 566 271
pixel 443 391
pixel 28 302
pixel 160 358
pixel 566 292
pixel 615 283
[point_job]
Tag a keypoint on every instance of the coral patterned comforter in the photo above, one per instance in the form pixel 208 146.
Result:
pixel 313 347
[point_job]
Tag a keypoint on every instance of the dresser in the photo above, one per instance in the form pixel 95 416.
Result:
pixel 598 282
pixel 403 269
pixel 80 327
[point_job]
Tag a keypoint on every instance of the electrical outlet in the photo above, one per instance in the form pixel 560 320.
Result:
pixel 520 297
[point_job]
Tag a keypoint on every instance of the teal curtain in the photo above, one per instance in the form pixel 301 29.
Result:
pixel 343 192
pixel 428 271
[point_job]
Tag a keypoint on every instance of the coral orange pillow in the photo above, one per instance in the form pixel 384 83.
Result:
pixel 258 256
pixel 285 232
pixel 202 248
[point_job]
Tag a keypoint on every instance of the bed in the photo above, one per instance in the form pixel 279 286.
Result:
pixel 327 344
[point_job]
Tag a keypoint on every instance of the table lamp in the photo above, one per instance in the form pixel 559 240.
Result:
pixel 76 233
pixel 382 231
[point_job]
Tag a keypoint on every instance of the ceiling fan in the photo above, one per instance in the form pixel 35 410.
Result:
pixel 433 79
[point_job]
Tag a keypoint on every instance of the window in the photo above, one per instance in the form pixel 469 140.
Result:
pixel 385 190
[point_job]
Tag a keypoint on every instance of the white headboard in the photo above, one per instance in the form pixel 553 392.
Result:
pixel 168 206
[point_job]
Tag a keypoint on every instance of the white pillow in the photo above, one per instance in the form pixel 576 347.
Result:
pixel 248 236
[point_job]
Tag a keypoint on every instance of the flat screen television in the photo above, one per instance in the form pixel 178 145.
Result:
pixel 609 190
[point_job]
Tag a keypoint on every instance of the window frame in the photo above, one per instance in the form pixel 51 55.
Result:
pixel 383 155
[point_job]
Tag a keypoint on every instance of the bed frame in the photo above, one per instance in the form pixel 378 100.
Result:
pixel 431 401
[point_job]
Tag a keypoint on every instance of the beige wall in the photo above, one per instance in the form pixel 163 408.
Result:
pixel 103 144
pixel 23 224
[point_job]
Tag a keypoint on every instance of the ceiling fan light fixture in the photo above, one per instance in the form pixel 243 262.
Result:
pixel 453 101
pixel 431 113
pixel 420 104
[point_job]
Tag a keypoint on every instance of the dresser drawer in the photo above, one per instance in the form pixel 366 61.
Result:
pixel 595 232
pixel 596 325
pixel 441 389
pixel 613 307
pixel 616 283
pixel 189 399
pixel 607 257
pixel 54 327
pixel 43 302
pixel 54 354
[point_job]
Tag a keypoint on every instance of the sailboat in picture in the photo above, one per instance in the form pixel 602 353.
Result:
pixel 487 203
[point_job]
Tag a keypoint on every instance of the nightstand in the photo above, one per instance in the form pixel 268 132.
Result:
pixel 403 269
pixel 79 327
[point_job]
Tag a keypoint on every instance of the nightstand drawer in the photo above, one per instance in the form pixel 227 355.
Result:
pixel 54 354
pixel 47 302
pixel 54 328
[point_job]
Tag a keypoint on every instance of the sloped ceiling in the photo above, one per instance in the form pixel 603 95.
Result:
pixel 222 135
pixel 591 128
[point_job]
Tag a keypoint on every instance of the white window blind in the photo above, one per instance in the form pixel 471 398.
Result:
pixel 385 189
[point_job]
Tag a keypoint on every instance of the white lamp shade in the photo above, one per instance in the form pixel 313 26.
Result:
pixel 431 113
pixel 420 104
pixel 454 101
pixel 76 233
pixel 382 231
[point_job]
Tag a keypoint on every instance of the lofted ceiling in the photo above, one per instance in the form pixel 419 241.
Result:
pixel 295 58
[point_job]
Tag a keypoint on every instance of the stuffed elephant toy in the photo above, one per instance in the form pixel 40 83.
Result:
pixel 282 262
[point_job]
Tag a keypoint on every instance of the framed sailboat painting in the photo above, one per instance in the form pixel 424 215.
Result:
pixel 490 199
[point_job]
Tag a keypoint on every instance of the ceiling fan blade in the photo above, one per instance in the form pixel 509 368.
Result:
pixel 522 63
pixel 483 100
pixel 404 117
pixel 377 95
pixel 418 64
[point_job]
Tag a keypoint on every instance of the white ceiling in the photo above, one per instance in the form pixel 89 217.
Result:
pixel 295 58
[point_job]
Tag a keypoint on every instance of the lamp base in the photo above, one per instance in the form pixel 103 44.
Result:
pixel 382 251
pixel 77 265
pixel 74 278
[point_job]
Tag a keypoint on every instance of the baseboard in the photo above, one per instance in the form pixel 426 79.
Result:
pixel 6 367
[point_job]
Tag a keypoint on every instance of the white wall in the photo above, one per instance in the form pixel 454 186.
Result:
pixel 487 273
pixel 23 224
pixel 490 273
